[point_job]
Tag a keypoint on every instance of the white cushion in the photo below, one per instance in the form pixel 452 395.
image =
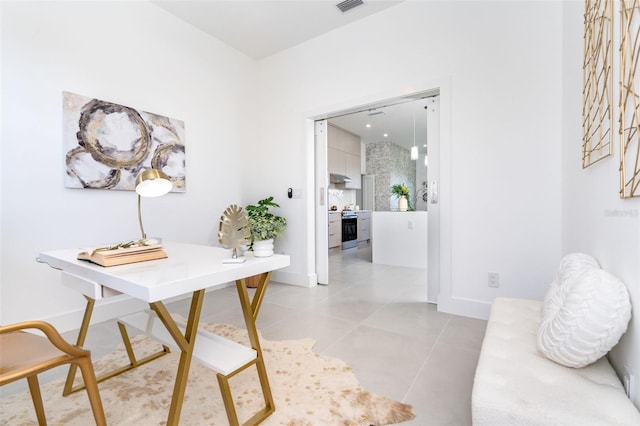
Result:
pixel 516 385
pixel 585 315
pixel 570 265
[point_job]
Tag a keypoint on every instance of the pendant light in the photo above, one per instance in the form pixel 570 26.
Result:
pixel 414 148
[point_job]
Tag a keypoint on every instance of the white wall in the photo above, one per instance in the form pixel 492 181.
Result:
pixel 594 219
pixel 503 109
pixel 505 126
pixel 504 106
pixel 131 53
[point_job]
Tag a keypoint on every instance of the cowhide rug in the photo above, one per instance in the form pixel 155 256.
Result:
pixel 308 389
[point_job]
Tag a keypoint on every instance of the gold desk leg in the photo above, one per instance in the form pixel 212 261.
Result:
pixel 82 335
pixel 186 344
pixel 250 310
pixel 133 362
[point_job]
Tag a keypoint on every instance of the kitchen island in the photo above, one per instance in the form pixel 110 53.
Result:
pixel 399 238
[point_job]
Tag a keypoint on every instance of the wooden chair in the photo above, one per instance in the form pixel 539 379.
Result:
pixel 25 355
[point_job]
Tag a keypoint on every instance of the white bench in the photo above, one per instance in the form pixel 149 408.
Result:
pixel 517 385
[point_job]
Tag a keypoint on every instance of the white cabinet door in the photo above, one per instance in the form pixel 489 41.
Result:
pixel 343 155
pixel 352 169
pixel 335 229
pixel 334 138
pixel 336 161
pixel 364 226
pixel 351 143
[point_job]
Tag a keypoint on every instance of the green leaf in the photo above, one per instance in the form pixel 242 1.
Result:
pixel 265 225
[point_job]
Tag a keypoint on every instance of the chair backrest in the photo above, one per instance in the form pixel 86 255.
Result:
pixel 23 354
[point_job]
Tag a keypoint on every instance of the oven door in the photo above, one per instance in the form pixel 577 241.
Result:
pixel 349 232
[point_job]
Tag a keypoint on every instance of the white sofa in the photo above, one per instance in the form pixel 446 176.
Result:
pixel 515 384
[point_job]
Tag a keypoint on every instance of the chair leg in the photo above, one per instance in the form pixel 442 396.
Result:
pixel 89 377
pixel 34 389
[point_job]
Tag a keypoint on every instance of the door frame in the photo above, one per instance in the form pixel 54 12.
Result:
pixel 439 264
pixel 321 263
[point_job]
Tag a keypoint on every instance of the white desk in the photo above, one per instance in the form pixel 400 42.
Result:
pixel 188 269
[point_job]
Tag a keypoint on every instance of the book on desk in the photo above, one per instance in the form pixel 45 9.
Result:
pixel 123 256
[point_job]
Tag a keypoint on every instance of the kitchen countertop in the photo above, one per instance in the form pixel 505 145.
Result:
pixel 355 211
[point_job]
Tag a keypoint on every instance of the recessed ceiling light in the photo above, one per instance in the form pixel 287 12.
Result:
pixel 368 125
pixel 385 135
pixel 425 145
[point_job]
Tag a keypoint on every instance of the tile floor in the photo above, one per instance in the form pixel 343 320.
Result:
pixel 373 317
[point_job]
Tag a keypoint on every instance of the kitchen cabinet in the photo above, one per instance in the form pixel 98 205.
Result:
pixel 336 161
pixel 364 226
pixel 334 139
pixel 352 169
pixel 343 156
pixel 335 229
pixel 349 142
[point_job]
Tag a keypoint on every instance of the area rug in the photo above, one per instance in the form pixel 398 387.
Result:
pixel 308 389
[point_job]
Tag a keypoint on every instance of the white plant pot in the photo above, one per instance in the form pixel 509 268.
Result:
pixel 403 204
pixel 263 248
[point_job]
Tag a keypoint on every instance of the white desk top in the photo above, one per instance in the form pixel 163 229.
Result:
pixel 188 268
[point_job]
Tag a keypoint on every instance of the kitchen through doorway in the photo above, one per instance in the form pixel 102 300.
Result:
pixel 401 126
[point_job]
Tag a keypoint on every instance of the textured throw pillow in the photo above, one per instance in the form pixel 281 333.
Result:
pixel 570 265
pixel 586 315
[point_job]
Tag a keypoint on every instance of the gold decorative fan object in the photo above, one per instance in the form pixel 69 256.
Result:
pixel 234 232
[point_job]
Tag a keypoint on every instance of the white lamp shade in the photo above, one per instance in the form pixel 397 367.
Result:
pixel 414 152
pixel 153 183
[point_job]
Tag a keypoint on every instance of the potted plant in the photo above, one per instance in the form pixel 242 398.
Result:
pixel 264 226
pixel 401 191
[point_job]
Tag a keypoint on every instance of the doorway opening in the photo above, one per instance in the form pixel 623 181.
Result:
pixel 404 120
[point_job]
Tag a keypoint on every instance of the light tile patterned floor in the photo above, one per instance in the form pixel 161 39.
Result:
pixel 374 317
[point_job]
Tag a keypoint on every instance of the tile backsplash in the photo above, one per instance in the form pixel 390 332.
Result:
pixel 341 198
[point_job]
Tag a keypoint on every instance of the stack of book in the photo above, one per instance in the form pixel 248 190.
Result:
pixel 117 255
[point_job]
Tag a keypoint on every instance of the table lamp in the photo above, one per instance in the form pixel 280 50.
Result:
pixel 151 183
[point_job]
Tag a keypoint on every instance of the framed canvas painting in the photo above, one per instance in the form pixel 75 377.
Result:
pixel 108 145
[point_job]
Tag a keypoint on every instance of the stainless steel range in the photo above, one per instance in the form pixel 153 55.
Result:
pixel 349 229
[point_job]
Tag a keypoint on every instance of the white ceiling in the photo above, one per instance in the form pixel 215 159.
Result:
pixel 396 121
pixel 260 28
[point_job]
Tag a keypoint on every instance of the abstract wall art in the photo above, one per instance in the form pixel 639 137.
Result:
pixel 597 93
pixel 629 99
pixel 107 145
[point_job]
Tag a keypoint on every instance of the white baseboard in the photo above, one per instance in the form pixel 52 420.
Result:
pixel 472 308
pixel 301 280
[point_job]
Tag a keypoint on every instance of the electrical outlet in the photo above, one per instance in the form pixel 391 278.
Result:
pixel 494 279
pixel 410 224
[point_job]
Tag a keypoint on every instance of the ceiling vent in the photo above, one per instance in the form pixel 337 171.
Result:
pixel 347 5
pixel 374 112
